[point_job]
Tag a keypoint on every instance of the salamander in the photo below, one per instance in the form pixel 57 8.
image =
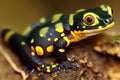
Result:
pixel 51 35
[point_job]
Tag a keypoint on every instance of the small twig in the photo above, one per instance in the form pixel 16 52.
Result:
pixel 13 65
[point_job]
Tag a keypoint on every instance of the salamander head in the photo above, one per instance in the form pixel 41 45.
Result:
pixel 92 21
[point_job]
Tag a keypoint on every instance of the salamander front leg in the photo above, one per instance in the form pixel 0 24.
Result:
pixel 61 57
pixel 64 63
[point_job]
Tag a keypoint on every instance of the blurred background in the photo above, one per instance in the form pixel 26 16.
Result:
pixel 18 14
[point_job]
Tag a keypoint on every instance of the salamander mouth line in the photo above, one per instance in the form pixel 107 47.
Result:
pixel 98 30
pixel 88 33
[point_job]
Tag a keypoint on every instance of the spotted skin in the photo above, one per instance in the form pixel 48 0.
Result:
pixel 50 36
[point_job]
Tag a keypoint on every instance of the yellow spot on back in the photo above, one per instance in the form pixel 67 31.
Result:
pixel 59 27
pixel 27 30
pixel 99 27
pixel 43 31
pixel 56 17
pixel 63 34
pixel 71 19
pixel 49 39
pixel 43 65
pixel 67 40
pixel 61 50
pixel 48 69
pixel 39 50
pixel 42 20
pixel 33 54
pixel 68 59
pixel 53 66
pixel 55 39
pixel 23 43
pixel 8 35
pixel 50 48
pixel 32 41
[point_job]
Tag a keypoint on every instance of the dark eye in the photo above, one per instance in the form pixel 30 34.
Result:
pixel 89 19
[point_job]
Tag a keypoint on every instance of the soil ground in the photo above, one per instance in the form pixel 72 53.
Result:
pixel 92 64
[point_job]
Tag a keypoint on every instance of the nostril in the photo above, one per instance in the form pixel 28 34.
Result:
pixel 106 21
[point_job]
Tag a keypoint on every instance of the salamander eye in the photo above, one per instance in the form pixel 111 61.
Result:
pixel 89 19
